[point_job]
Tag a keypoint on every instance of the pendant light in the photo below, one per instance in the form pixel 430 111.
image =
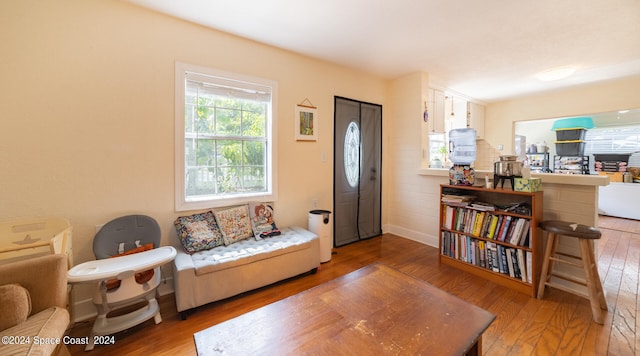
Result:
pixel 452 110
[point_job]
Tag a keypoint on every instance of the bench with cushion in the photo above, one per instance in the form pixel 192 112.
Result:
pixel 231 251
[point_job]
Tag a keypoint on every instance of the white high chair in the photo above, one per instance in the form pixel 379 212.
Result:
pixel 130 273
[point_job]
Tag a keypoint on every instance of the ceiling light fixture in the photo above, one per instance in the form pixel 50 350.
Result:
pixel 452 112
pixel 555 74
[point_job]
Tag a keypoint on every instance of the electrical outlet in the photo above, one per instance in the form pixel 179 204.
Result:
pixel 314 203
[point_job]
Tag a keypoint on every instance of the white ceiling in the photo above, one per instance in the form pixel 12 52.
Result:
pixel 486 50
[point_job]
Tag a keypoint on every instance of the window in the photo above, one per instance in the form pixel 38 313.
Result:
pixel 437 150
pixel 224 138
pixel 615 139
pixel 352 154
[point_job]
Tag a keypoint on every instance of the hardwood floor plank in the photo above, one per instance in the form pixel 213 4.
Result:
pixel 622 339
pixel 515 327
pixel 572 342
pixel 538 324
pixel 550 339
pixel 559 324
pixel 507 307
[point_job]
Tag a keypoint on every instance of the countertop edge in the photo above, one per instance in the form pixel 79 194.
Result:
pixel 552 178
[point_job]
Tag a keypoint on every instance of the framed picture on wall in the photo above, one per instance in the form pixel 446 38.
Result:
pixel 306 123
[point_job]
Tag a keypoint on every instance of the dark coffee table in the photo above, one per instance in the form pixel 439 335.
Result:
pixel 373 311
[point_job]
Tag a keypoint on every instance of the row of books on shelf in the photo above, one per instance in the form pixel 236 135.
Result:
pixel 499 227
pixel 495 257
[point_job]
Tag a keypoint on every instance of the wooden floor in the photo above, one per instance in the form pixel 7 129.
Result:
pixel 560 324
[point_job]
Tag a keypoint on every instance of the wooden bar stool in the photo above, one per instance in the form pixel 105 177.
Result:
pixel 586 235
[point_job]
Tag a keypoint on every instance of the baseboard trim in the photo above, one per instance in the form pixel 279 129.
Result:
pixel 412 235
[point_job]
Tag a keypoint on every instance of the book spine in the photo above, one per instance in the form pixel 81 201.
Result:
pixel 524 238
pixel 448 220
pixel 485 225
pixel 479 222
pixel 516 267
pixel 504 228
pixel 494 256
pixel 528 265
pixel 521 265
pixel 493 227
pixel 508 253
pixel 496 232
pixel 514 237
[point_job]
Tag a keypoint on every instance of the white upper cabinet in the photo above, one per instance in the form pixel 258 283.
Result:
pixel 448 112
pixel 455 111
pixel 435 109
pixel 475 118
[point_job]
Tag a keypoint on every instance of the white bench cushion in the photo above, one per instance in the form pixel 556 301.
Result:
pixel 250 250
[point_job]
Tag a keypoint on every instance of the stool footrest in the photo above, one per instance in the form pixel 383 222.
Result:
pixel 564 254
pixel 569 278
pixel 567 289
pixel 560 260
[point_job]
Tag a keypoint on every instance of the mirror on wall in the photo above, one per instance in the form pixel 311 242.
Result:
pixel 614 133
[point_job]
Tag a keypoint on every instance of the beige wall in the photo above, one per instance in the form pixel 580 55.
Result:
pixel 87 112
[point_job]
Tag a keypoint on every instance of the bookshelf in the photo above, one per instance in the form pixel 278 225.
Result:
pixel 493 234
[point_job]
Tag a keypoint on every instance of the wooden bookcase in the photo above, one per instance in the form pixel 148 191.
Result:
pixel 464 239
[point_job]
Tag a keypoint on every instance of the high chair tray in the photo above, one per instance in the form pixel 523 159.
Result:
pixel 98 270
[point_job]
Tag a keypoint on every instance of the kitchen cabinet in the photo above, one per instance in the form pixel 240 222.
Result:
pixel 435 109
pixel 475 118
pixel 462 114
pixel 455 113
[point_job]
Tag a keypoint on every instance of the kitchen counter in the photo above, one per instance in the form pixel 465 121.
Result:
pixel 554 178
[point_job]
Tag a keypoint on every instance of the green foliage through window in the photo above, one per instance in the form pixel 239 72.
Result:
pixel 225 142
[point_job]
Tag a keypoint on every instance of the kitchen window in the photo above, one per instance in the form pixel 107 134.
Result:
pixel 619 139
pixel 224 138
pixel 438 150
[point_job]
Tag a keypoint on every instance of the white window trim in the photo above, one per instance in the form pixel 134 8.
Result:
pixel 181 203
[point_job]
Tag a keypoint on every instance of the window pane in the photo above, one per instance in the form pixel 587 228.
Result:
pixel 229 153
pixel 254 153
pixel 200 181
pixel 624 139
pixel 254 179
pixel 205 116
pixel 229 180
pixel 228 121
pixel 254 120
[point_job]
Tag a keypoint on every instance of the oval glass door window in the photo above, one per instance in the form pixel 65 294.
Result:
pixel 352 154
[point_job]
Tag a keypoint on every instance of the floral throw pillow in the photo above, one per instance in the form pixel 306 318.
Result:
pixel 262 220
pixel 234 223
pixel 198 232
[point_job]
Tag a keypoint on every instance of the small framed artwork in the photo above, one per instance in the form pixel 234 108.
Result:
pixel 306 123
